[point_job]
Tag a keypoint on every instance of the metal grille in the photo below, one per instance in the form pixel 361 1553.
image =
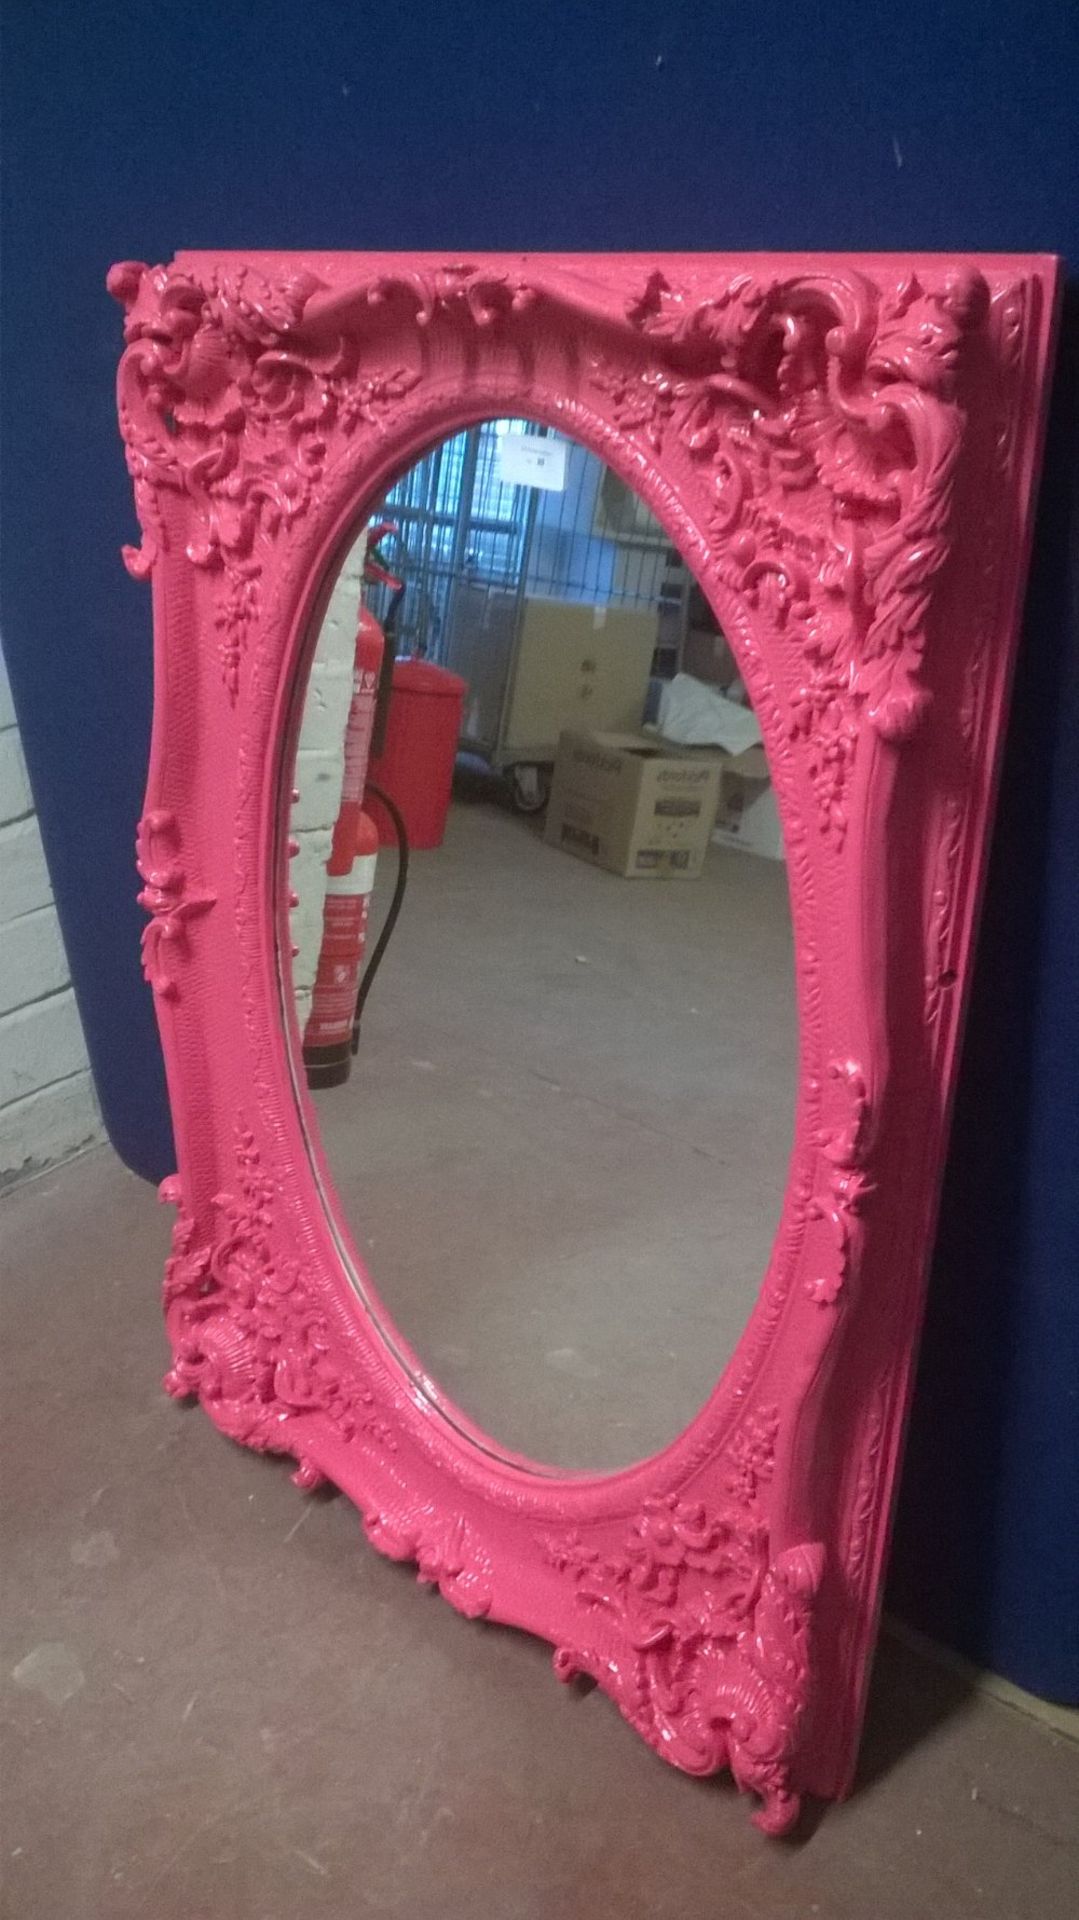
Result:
pixel 462 524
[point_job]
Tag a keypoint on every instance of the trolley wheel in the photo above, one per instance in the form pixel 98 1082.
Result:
pixel 531 788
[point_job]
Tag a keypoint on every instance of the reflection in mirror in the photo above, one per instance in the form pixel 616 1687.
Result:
pixel 559 1132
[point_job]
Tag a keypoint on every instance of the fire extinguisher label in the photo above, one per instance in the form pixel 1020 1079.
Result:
pixel 360 877
pixel 333 1001
pixel 361 719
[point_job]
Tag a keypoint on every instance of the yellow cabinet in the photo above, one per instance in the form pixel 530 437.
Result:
pixel 574 666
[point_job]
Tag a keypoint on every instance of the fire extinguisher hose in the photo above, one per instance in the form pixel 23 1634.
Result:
pixel 390 922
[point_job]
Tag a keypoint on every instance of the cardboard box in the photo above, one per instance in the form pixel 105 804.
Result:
pixel 630 804
pixel 746 815
pixel 575 666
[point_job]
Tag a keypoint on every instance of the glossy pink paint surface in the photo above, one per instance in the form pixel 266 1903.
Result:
pixel 844 450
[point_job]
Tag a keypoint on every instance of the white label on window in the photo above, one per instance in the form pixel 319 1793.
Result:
pixel 530 460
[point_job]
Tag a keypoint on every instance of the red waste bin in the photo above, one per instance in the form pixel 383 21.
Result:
pixel 415 766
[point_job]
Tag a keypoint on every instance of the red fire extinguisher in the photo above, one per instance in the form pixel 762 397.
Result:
pixel 350 872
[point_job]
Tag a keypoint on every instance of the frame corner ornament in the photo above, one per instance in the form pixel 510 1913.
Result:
pixel 839 446
pixel 712 1635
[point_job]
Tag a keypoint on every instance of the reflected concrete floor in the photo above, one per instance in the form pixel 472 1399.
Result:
pixel 563 1149
pixel 218 1703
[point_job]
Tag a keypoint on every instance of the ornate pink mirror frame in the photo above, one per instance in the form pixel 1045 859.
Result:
pixel 844 450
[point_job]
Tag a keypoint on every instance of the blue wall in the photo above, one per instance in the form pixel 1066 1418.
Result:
pixel 132 130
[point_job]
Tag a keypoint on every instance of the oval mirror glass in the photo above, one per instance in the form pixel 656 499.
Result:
pixel 541 989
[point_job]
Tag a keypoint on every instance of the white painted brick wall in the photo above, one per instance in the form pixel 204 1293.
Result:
pixel 15 797
pixel 320 768
pixel 47 1105
pixel 32 954
pixel 40 1044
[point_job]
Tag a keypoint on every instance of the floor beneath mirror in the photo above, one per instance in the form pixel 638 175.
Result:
pixel 563 1146
pixel 219 1701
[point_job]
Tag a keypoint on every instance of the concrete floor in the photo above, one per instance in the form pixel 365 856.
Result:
pixel 564 1145
pixel 219 1704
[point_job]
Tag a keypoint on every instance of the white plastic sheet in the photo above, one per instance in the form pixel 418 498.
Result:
pixel 693 714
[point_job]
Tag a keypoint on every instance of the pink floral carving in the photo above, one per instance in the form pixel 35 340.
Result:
pixel 248 1334
pixel 700 1639
pixel 846 1151
pixel 809 392
pixel 222 404
pixel 639 400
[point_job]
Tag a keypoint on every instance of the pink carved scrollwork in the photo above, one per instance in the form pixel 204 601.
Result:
pixel 709 1657
pixel 219 403
pixel 165 896
pixel 845 1151
pixel 443 1545
pixel 827 415
pixel 248 1334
